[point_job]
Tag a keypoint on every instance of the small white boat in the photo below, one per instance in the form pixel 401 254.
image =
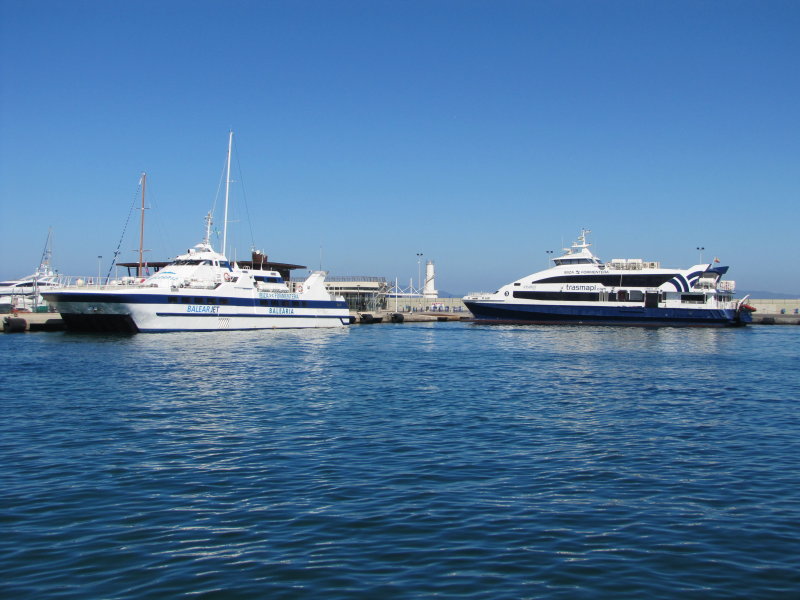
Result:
pixel 202 290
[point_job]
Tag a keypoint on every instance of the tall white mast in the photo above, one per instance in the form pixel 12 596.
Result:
pixel 227 192
pixel 141 229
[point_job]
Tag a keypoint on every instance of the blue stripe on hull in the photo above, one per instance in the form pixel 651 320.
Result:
pixel 623 315
pixel 250 316
pixel 132 298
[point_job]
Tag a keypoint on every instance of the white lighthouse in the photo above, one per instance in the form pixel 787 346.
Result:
pixel 430 291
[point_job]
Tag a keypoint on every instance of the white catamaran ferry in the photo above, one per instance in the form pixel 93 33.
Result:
pixel 202 290
pixel 580 288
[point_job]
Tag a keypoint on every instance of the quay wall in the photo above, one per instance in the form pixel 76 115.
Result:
pixel 412 305
pixel 776 311
pixel 776 306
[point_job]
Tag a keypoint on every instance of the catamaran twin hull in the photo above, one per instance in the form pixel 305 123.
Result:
pixel 131 312
pixel 493 312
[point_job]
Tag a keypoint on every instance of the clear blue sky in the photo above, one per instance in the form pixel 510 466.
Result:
pixel 480 133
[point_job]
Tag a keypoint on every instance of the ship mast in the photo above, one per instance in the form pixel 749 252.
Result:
pixel 44 263
pixel 227 192
pixel 141 229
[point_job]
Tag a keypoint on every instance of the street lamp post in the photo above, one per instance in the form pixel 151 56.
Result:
pixel 99 261
pixel 549 256
pixel 700 249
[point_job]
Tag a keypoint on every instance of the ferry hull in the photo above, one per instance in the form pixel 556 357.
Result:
pixel 151 313
pixel 498 312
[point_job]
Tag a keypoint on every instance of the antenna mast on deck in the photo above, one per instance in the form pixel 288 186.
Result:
pixel 207 237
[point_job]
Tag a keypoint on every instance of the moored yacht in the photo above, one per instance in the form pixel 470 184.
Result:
pixel 580 288
pixel 25 293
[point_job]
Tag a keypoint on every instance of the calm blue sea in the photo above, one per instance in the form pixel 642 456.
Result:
pixel 442 460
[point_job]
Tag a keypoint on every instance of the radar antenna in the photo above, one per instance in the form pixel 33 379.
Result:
pixel 207 238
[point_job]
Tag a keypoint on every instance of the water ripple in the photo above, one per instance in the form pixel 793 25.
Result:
pixel 405 461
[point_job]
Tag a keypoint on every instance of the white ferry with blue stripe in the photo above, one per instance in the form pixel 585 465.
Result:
pixel 581 289
pixel 201 291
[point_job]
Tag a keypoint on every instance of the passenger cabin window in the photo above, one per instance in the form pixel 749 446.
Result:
pixel 573 261
pixel 559 296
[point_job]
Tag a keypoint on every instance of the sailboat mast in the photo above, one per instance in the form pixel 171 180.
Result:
pixel 44 263
pixel 227 192
pixel 141 228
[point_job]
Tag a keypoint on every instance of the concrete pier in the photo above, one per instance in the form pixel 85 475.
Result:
pixel 775 319
pixel 387 316
pixel 776 311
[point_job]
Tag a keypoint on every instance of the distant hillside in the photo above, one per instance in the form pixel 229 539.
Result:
pixel 767 295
